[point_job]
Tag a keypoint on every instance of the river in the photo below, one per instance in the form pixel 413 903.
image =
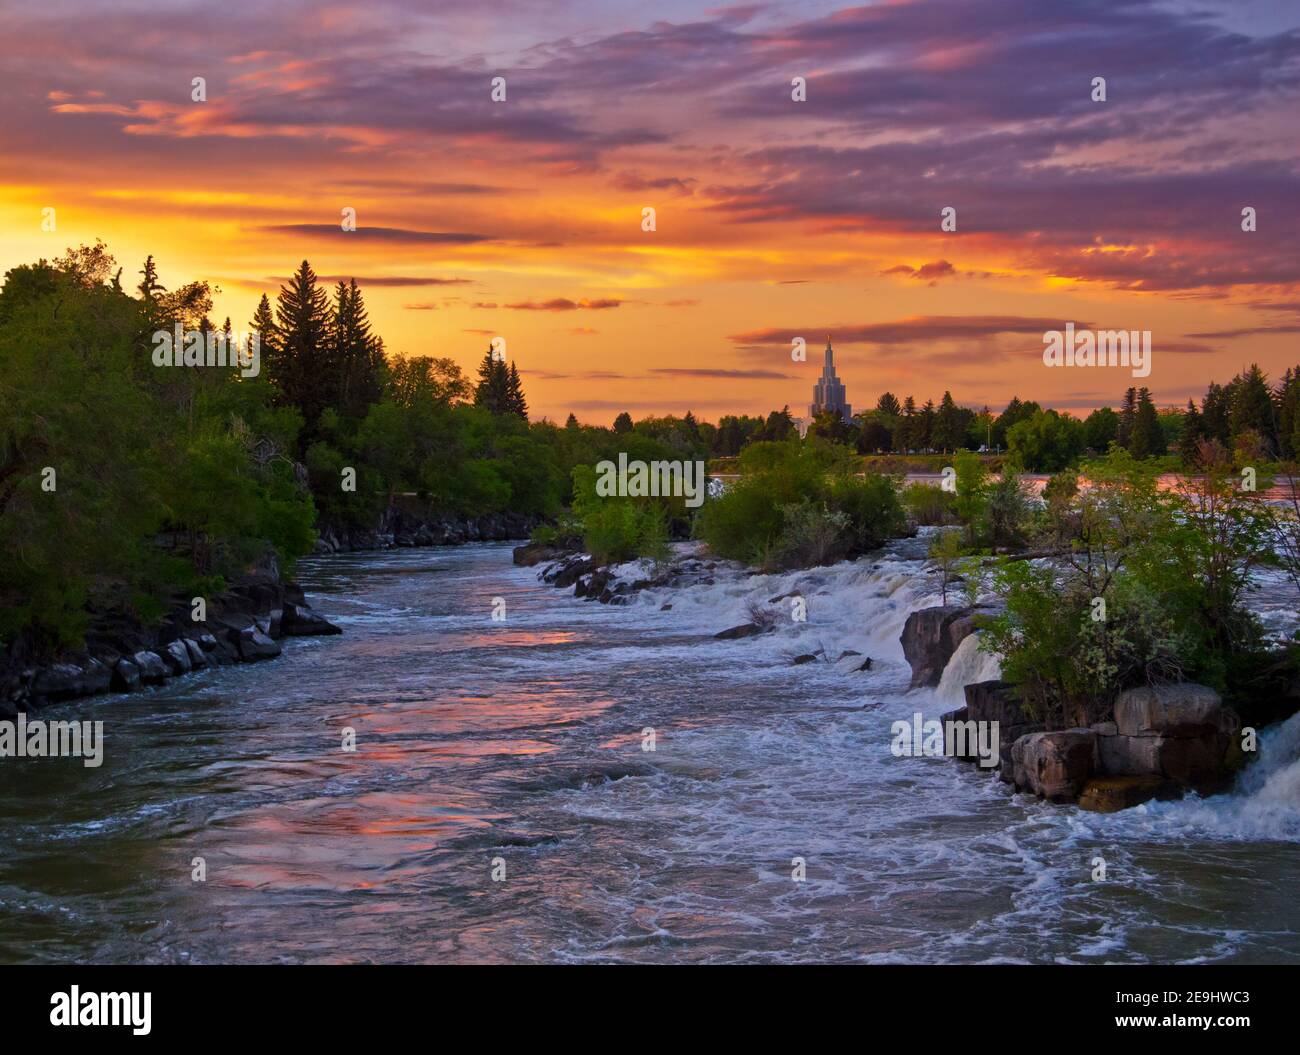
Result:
pixel 499 804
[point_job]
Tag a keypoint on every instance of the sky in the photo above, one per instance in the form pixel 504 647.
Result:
pixel 773 218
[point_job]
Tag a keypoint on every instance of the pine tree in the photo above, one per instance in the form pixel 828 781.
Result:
pixel 355 352
pixel 1147 438
pixel 263 326
pixel 623 423
pixel 1214 414
pixel 515 401
pixel 493 390
pixel 1127 419
pixel 888 404
pixel 302 371
pixel 948 431
pixel 1189 441
pixel 1251 407
pixel 571 422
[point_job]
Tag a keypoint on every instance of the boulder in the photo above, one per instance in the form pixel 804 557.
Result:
pixel 931 636
pixel 1055 765
pixel 67 681
pixel 153 671
pixel 300 621
pixel 997 701
pixel 198 658
pixel 126 676
pixel 177 657
pixel 1112 794
pixel 255 645
pixel 807 657
pixel 1181 709
pixel 743 630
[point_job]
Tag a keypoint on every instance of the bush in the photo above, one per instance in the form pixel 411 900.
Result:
pixel 873 507
pixel 928 504
pixel 813 535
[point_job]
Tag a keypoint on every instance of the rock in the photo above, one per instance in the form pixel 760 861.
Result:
pixel 275 623
pixel 532 553
pixel 568 571
pixel 996 701
pixel 665 607
pixel 207 642
pixel 255 645
pixel 153 671
pixel 177 657
pixel 1112 794
pixel 849 652
pixel 198 658
pixel 1055 765
pixel 1179 732
pixel 67 681
pixel 743 630
pixel 126 676
pixel 931 636
pixel 807 657
pixel 1181 709
pixel 301 621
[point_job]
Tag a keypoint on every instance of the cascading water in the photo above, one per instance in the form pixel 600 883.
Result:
pixel 528 741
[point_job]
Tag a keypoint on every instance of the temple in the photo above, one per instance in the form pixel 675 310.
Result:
pixel 828 395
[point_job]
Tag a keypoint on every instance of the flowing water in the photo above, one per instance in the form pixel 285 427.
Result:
pixel 518 745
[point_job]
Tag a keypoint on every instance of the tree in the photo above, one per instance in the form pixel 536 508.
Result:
pixel 515 401
pixel 493 391
pixel 949 425
pixel 1250 406
pixel 356 353
pixel 1193 435
pixel 623 424
pixel 1101 429
pixel 1047 442
pixel 888 404
pixel 302 368
pixel 1127 419
pixel 1147 437
pixel 149 284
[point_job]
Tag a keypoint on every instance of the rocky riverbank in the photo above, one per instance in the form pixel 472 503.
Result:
pixel 1160 742
pixel 409 526
pixel 243 624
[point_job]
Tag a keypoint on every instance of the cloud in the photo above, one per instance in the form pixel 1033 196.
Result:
pixel 674 371
pixel 930 272
pixel 376 234
pixel 914 329
pixel 564 304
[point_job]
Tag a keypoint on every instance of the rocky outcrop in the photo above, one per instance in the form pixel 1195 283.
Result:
pixel 1164 741
pixel 1178 732
pixel 931 636
pixel 243 625
pixel 1055 765
pixel 407 524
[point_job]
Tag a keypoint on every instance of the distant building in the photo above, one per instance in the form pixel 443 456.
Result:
pixel 828 395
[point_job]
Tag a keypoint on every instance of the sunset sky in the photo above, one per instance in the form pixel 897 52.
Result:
pixel 775 218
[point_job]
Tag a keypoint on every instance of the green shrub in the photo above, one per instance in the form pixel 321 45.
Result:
pixel 928 504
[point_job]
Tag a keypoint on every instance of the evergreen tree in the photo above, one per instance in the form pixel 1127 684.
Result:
pixel 1251 407
pixel 571 422
pixel 623 424
pixel 356 354
pixel 1147 437
pixel 1214 414
pixel 1127 419
pixel 302 368
pixel 493 390
pixel 925 426
pixel 1287 399
pixel 948 425
pixel 888 404
pixel 515 401
pixel 263 324
pixel 1193 433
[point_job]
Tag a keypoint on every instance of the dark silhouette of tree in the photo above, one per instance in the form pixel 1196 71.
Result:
pixel 623 423
pixel 302 370
pixel 515 401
